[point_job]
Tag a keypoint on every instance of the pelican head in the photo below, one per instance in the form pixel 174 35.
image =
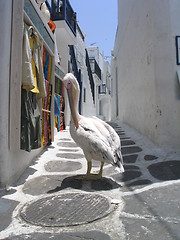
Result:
pixel 72 86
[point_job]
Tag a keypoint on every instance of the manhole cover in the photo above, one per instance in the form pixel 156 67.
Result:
pixel 66 209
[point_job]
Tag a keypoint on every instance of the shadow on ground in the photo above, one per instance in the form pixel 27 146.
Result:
pixel 54 183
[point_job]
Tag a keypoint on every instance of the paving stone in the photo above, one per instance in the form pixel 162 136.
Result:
pixel 130 150
pixel 93 235
pixel 60 166
pixel 65 139
pixel 42 184
pixel 68 150
pixel 136 184
pixel 114 125
pixel 169 170
pixel 162 202
pixel 29 171
pixel 150 157
pixel 126 176
pixel 68 209
pixel 80 182
pixel 127 142
pixel 131 167
pixel 103 184
pixel 121 134
pixel 153 214
pixel 67 144
pixel 70 155
pixel 130 159
pixel 146 229
pixel 6 209
pixel 124 138
pixel 74 182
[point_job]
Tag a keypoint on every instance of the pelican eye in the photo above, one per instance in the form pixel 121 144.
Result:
pixel 69 84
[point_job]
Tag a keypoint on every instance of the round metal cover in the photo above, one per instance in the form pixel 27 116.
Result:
pixel 67 209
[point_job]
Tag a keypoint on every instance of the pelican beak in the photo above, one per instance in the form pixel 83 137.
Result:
pixel 71 91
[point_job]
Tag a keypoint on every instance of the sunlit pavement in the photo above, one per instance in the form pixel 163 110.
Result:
pixel 53 200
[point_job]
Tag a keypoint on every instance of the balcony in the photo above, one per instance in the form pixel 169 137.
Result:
pixel 62 10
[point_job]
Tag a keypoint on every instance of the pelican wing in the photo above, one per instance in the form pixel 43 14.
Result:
pixel 95 139
pixel 114 142
pixel 112 137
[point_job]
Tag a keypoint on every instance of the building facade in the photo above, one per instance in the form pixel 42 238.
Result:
pixel 146 89
pixel 42 44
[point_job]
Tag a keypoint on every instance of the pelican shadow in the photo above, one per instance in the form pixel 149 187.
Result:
pixel 80 182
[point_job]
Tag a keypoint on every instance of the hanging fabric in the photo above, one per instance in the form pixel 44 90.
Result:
pixel 62 107
pixel 47 64
pixel 56 105
pixel 30 121
pixel 46 116
pixel 32 69
pixel 57 116
pixel 35 89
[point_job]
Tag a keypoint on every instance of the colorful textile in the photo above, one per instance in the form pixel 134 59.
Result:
pixel 30 121
pixel 46 116
pixel 50 68
pixel 27 73
pixel 32 68
pixel 35 89
pixel 47 65
pixel 59 119
pixel 56 106
pixel 49 116
pixel 52 25
pixel 59 86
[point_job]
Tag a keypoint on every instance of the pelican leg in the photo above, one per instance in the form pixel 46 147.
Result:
pixel 89 166
pixel 101 170
pixel 90 176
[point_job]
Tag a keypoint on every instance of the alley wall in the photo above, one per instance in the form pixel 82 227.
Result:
pixel 144 69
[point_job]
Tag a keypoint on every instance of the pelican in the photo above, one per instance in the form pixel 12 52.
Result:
pixel 98 140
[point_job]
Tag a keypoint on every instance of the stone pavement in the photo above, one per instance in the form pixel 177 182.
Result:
pixel 52 200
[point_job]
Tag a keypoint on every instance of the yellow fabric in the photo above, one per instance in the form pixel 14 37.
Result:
pixel 35 89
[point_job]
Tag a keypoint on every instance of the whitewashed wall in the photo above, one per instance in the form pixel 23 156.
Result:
pixel 88 107
pixel 144 63
pixel 12 160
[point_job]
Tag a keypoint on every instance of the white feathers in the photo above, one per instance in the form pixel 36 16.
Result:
pixel 98 139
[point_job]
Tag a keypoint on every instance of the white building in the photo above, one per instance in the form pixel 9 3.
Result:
pixel 102 77
pixel 146 89
pixel 17 17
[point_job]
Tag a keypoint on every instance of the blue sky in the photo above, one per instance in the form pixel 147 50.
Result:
pixel 98 19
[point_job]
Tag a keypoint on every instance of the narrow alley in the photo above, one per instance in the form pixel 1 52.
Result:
pixel 135 88
pixel 53 201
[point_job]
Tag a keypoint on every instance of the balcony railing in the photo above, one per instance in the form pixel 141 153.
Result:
pixel 62 10
pixel 95 67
